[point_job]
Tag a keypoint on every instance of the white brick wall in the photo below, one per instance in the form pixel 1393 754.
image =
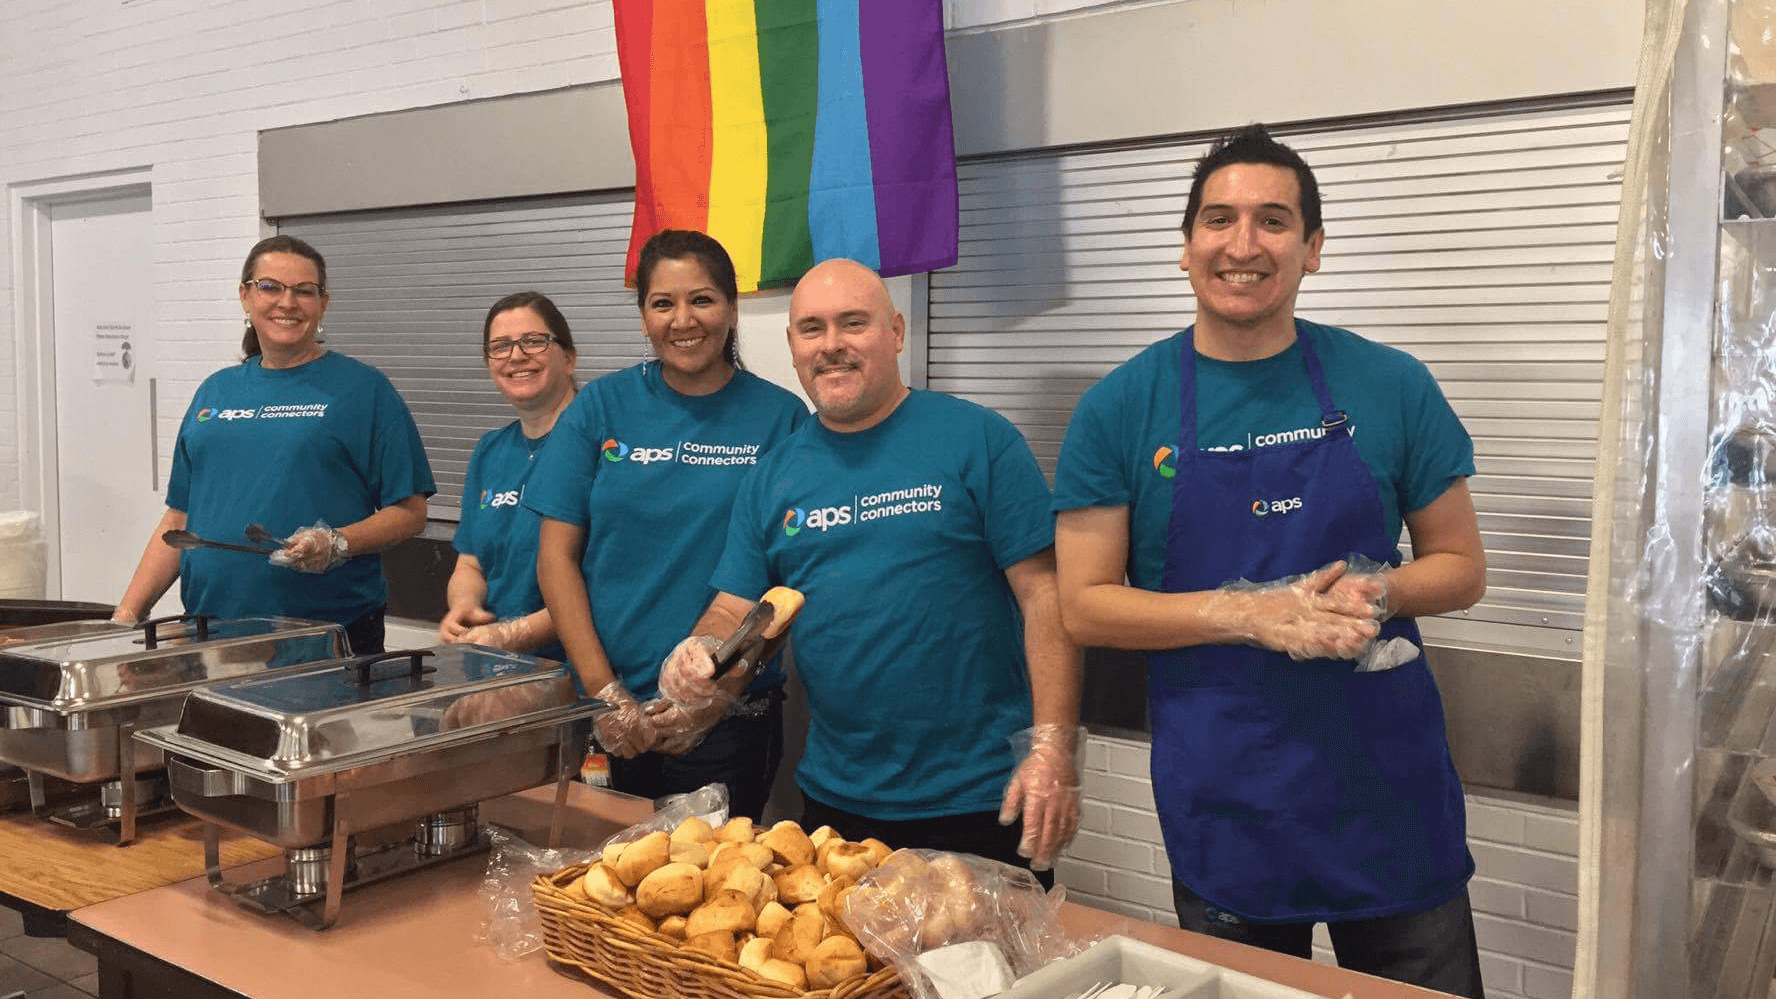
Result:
pixel 1524 893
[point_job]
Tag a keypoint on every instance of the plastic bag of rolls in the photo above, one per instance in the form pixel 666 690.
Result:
pixel 730 911
pixel 957 926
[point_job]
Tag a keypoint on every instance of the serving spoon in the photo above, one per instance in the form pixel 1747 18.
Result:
pixel 186 541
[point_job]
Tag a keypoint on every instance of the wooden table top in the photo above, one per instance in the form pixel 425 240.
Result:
pixel 60 869
pixel 416 937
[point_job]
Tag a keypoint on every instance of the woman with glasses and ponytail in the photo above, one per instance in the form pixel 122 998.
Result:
pixel 492 595
pixel 311 446
pixel 634 490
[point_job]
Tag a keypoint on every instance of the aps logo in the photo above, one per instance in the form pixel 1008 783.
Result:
pixel 206 415
pixel 493 499
pixel 1264 508
pixel 821 518
pixel 1163 464
pixel 616 450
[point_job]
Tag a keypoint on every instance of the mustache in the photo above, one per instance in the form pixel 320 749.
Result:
pixel 836 362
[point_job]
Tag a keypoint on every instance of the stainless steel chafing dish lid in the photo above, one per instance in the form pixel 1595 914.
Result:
pixel 335 716
pixel 90 665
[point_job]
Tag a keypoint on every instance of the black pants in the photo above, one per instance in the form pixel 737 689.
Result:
pixel 1434 949
pixel 978 833
pixel 366 633
pixel 742 751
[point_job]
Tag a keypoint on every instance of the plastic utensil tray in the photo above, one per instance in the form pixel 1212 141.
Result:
pixel 1121 959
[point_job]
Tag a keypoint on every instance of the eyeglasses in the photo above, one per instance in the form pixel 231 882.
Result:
pixel 530 343
pixel 307 291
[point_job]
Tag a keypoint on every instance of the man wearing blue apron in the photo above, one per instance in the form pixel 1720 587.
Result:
pixel 1256 447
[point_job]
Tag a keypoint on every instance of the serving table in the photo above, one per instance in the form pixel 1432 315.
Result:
pixel 414 937
pixel 48 870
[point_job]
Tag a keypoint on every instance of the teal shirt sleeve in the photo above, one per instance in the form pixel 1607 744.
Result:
pixel 1089 470
pixel 743 569
pixel 398 458
pixel 568 463
pixel 1438 448
pixel 1019 523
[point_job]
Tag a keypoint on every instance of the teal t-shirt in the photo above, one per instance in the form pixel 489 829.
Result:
pixel 651 475
pixel 1119 445
pixel 910 645
pixel 497 529
pixel 329 441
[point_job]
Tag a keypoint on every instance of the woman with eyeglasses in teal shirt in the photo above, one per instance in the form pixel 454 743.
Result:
pixel 315 447
pixel 493 596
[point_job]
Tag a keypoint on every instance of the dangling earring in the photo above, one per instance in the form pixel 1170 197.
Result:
pixel 249 321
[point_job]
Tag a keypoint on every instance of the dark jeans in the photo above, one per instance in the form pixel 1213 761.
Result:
pixel 742 751
pixel 366 633
pixel 1434 949
pixel 978 833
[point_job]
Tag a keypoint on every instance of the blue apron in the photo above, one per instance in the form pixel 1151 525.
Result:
pixel 1295 791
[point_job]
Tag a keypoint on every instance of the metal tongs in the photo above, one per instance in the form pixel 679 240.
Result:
pixel 185 541
pixel 761 633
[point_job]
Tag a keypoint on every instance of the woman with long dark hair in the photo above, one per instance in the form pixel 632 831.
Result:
pixel 634 488
pixel 313 446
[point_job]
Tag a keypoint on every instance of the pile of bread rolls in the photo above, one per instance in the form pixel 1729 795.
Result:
pixel 920 900
pixel 767 900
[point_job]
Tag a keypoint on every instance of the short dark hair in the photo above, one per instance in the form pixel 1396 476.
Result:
pixel 277 244
pixel 706 250
pixel 1253 144
pixel 538 303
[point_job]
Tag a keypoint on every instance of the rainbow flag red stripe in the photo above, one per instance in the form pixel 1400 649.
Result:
pixel 792 130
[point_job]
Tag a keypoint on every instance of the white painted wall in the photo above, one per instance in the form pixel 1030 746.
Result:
pixel 181 88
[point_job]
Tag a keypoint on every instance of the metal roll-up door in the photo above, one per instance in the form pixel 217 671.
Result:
pixel 1482 245
pixel 411 287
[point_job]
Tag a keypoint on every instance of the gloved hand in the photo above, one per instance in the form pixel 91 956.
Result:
pixel 459 620
pixel 127 620
pixel 1366 581
pixel 498 704
pixel 1045 789
pixel 625 730
pixel 685 675
pixel 682 727
pixel 312 549
pixel 1300 616
pixel 513 634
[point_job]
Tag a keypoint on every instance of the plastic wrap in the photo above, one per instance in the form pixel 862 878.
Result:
pixel 512 927
pixel 1677 890
pixel 921 906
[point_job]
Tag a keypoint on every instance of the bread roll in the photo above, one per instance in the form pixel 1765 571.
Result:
pixel 832 901
pixel 693 830
pixel 576 890
pixel 878 849
pixel 819 836
pixel 754 953
pixel 798 884
pixel 635 917
pixel 836 959
pixel 602 885
pixel 672 926
pixel 789 845
pixel 749 881
pixel 771 917
pixel 611 852
pixel 728 910
pixel 643 857
pixel 716 943
pixel 688 852
pixel 736 830
pixel 674 888
pixel 755 854
pixel 785 972
pixel 842 859
pixel 795 940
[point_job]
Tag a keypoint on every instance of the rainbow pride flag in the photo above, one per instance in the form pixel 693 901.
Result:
pixel 792 130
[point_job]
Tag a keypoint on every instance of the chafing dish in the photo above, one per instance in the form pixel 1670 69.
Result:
pixel 326 760
pixel 73 692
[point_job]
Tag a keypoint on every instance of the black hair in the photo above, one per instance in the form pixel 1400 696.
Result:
pixel 277 244
pixel 682 244
pixel 1253 144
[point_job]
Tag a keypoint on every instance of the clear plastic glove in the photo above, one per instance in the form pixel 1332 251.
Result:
pixel 312 549
pixel 458 621
pixel 1304 617
pixel 624 731
pixel 687 672
pixel 1045 789
pixel 683 727
pixel 514 634
pixel 127 620
pixel 1366 580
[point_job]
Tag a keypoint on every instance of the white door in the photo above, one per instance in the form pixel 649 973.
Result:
pixel 111 491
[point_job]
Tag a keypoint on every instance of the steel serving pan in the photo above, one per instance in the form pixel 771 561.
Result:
pixel 68 690
pixel 423 731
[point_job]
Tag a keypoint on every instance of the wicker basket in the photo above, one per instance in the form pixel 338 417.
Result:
pixel 584 936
